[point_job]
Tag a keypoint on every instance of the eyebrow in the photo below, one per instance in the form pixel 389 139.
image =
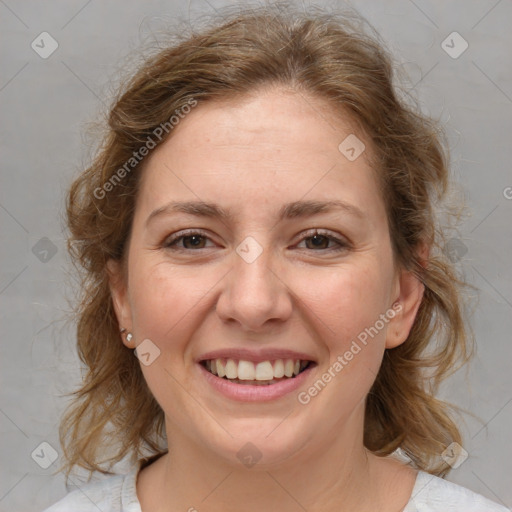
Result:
pixel 296 209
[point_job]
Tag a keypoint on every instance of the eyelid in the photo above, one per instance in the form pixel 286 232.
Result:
pixel 171 239
pixel 343 242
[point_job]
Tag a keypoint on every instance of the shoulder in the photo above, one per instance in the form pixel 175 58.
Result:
pixel 433 494
pixel 112 494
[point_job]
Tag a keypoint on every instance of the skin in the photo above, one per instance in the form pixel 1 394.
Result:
pixel 251 156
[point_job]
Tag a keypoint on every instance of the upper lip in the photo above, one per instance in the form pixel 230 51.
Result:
pixel 255 356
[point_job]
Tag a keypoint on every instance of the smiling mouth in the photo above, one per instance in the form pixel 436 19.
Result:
pixel 263 373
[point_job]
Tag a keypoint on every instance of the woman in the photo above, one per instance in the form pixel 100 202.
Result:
pixel 259 226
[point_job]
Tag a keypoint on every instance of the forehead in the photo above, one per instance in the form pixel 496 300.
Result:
pixel 272 147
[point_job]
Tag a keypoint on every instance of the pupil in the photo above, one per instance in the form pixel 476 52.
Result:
pixel 193 240
pixel 318 240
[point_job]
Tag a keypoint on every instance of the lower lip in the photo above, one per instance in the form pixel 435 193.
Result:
pixel 250 393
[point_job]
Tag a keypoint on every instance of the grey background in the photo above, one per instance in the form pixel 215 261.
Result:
pixel 44 105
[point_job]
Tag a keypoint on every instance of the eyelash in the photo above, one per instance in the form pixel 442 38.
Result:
pixel 170 242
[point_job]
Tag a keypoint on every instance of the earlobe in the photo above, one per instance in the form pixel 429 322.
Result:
pixel 120 301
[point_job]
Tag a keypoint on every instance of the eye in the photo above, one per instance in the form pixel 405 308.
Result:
pixel 186 240
pixel 316 240
pixel 319 240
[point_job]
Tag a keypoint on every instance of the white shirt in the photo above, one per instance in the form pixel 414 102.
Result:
pixel 118 494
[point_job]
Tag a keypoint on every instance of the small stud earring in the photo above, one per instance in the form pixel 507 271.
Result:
pixel 129 336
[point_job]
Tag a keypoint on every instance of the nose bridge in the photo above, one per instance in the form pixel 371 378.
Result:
pixel 254 281
pixel 254 294
pixel 253 266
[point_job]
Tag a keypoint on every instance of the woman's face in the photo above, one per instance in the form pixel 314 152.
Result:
pixel 256 241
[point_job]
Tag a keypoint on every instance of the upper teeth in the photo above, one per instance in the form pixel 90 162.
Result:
pixel 247 370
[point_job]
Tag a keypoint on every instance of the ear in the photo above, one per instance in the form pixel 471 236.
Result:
pixel 120 299
pixel 407 301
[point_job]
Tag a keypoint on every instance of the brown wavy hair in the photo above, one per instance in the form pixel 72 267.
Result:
pixel 332 56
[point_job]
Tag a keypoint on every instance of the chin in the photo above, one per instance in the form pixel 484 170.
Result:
pixel 260 443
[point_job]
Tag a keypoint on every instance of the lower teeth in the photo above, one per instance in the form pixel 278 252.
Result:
pixel 255 382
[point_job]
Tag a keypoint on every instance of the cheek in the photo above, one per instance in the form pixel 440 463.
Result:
pixel 165 302
pixel 345 300
pixel 167 305
pixel 346 304
pixel 342 302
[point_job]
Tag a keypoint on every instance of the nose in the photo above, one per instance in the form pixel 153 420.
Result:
pixel 253 295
